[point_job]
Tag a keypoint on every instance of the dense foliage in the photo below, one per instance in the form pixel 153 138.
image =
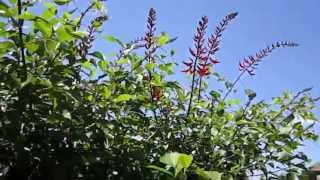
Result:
pixel 68 111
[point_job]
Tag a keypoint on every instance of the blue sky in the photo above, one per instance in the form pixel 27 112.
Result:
pixel 259 23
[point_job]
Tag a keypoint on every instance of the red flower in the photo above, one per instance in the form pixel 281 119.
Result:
pixel 157 94
pixel 203 71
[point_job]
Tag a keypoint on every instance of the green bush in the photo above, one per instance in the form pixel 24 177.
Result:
pixel 68 111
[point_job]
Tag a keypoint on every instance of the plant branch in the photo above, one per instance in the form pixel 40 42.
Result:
pixel 291 102
pixel 84 13
pixel 233 84
pixel 21 43
pixel 250 63
pixel 192 87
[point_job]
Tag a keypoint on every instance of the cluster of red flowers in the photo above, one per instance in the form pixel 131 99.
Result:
pixel 250 63
pixel 199 53
pixel 204 56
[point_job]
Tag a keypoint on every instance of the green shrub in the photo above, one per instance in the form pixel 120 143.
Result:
pixel 68 111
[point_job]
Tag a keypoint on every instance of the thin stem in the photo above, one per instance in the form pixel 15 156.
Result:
pixel 83 14
pixel 21 43
pixel 233 84
pixel 50 64
pixel 200 86
pixel 192 86
pixel 151 96
pixel 285 107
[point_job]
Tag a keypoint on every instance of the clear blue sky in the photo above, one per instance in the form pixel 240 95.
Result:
pixel 259 23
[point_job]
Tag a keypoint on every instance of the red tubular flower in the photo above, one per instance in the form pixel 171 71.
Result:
pixel 213 46
pixel 250 63
pixel 199 50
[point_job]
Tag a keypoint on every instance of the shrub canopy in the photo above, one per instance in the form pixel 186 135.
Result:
pixel 68 111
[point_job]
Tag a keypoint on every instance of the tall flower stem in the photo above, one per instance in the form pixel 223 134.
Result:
pixel 213 47
pixel 198 53
pixel 200 86
pixel 21 43
pixel 150 50
pixel 233 85
pixel 250 63
pixel 192 87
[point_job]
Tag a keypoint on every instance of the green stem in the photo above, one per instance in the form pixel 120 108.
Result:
pixel 192 86
pixel 200 86
pixel 21 43
pixel 233 84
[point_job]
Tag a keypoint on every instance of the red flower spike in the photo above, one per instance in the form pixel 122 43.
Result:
pixel 149 35
pixel 250 64
pixel 199 51
pixel 213 46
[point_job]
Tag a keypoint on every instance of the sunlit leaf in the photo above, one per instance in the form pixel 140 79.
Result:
pixel 123 97
pixel 208 175
pixel 44 27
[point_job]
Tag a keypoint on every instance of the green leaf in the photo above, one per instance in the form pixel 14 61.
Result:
pixel 27 16
pixel 176 160
pixel 66 114
pixel 77 34
pixel 123 61
pixel 113 39
pixel 32 46
pixel 168 68
pixel 86 65
pixel 4 9
pixel 208 175
pixel 98 55
pixel 62 2
pixel 98 5
pixel 215 95
pixel 110 38
pixel 44 27
pixel 6 46
pixel 232 102
pixel 277 100
pixel 13 2
pixel 229 116
pixel 63 35
pixel 106 92
pixel 163 39
pixel 51 45
pixel 123 97
pixel 150 66
pixel 160 169
pixel 50 12
pixel 103 65
pixel 156 79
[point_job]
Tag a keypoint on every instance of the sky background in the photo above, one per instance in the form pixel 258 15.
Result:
pixel 259 24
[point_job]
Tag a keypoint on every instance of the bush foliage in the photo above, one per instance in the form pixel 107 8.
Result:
pixel 68 111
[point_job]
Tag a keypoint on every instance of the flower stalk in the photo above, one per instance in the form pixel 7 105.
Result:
pixel 213 48
pixel 150 46
pixel 250 63
pixel 198 53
